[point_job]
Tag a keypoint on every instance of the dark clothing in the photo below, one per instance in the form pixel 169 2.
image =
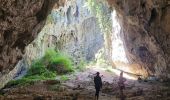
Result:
pixel 97 92
pixel 98 85
pixel 121 83
pixel 121 86
pixel 98 82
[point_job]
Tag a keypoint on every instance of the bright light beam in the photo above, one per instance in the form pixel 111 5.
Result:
pixel 118 51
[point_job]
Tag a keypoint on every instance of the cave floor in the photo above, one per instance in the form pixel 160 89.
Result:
pixel 80 86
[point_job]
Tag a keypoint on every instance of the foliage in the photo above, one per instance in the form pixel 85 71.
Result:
pixel 39 71
pixel 20 82
pixel 58 62
pixel 64 78
pixel 102 13
pixel 82 65
pixel 99 56
pixel 108 69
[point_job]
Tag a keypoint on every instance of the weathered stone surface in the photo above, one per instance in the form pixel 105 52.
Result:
pixel 145 31
pixel 72 29
pixel 20 22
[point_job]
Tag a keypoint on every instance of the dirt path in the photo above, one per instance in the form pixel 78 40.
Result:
pixel 69 90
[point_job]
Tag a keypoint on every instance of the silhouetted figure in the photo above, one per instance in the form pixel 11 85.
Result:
pixel 121 85
pixel 98 85
pixel 139 79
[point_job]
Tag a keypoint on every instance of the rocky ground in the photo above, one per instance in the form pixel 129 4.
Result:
pixel 80 86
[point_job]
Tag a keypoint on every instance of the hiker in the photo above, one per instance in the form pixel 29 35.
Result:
pixel 139 79
pixel 98 85
pixel 121 84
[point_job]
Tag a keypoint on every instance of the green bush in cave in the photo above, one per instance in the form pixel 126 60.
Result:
pixel 37 72
pixel 82 65
pixel 46 68
pixel 64 78
pixel 58 62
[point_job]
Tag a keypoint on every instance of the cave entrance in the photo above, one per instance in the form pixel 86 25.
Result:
pixel 114 49
pixel 88 32
pixel 119 58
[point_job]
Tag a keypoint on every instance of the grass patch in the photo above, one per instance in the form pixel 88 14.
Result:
pixel 59 62
pixel 46 68
pixel 20 82
pixel 64 78
pixel 108 70
pixel 39 71
pixel 82 65
pixel 36 73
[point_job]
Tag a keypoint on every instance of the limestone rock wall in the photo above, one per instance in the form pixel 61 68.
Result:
pixel 20 22
pixel 72 29
pixel 145 26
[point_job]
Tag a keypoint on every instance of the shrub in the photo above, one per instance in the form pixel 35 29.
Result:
pixel 61 64
pixel 37 67
pixel 20 82
pixel 39 71
pixel 58 62
pixel 64 78
pixel 81 65
pixel 50 53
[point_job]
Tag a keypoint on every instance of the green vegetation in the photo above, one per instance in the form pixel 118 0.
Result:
pixel 46 68
pixel 100 57
pixel 108 70
pixel 102 13
pixel 37 72
pixel 57 61
pixel 20 82
pixel 82 65
pixel 64 78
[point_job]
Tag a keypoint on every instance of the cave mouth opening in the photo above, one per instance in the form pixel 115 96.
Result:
pixel 69 34
pixel 114 49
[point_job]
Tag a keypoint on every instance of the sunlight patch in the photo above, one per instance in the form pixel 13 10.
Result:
pixel 118 51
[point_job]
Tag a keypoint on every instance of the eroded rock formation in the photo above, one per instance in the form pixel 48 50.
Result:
pixel 145 26
pixel 72 29
pixel 20 21
pixel 145 31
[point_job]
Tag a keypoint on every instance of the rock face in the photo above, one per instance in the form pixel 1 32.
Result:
pixel 20 21
pixel 72 29
pixel 145 31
